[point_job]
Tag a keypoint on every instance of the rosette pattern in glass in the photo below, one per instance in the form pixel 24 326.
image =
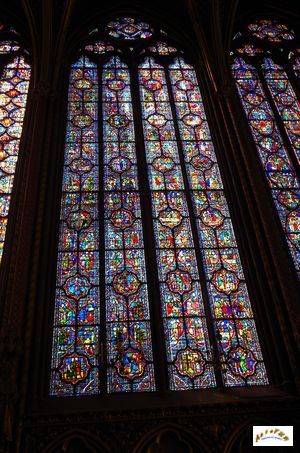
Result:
pixel 99 47
pixel 188 349
pixel 75 355
pixel 128 28
pixel 271 31
pixel 234 325
pixel 285 101
pixel 276 162
pixel 162 48
pixel 14 84
pixel 129 355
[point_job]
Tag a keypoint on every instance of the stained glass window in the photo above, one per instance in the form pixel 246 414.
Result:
pixel 75 367
pixel 234 326
pixel 285 100
pixel 188 348
pixel 14 84
pixel 296 62
pixel 273 112
pixel 106 316
pixel 130 360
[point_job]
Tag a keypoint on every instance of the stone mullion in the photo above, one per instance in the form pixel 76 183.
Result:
pixel 26 295
pixel 25 251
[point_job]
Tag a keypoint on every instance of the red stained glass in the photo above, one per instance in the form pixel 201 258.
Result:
pixel 223 270
pixel 14 84
pixel 271 31
pixel 275 159
pixel 182 306
pixel 75 366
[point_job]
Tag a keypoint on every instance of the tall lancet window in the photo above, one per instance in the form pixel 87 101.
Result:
pixel 150 286
pixel 14 84
pixel 266 68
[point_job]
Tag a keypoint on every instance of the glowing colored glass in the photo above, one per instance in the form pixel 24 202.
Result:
pixel 162 48
pixel 128 28
pixel 271 31
pixel 238 344
pixel 250 50
pixel 8 47
pixel 129 356
pixel 296 67
pixel 188 350
pixel 75 351
pixel 99 47
pixel 285 100
pixel 14 83
pixel 277 165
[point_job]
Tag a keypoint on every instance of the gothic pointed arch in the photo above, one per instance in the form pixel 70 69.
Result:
pixel 170 438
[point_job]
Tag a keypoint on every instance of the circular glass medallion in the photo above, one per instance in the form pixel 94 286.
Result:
pixel 152 84
pixel 83 84
pixel 82 120
pixel 201 162
pixel 157 120
pixel 170 218
pixel 289 199
pixel 179 282
pixel 225 281
pixel 212 217
pixel 81 165
pixel 130 364
pixel 79 219
pixel 122 218
pixel 163 164
pixel 116 84
pixel 74 368
pixel 293 222
pixel 120 164
pixel 191 120
pixel 118 120
pixel 185 85
pixel 242 362
pixel 261 121
pixel 189 362
pixel 77 286
pixel 126 283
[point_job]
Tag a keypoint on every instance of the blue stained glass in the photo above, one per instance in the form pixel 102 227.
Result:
pixel 75 351
pixel 187 344
pixel 239 347
pixel 285 100
pixel 130 361
pixel 14 84
pixel 277 165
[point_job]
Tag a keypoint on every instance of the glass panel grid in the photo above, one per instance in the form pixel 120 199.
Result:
pixel 130 361
pixel 14 84
pixel 277 165
pixel 75 351
pixel 188 352
pixel 285 100
pixel 238 344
